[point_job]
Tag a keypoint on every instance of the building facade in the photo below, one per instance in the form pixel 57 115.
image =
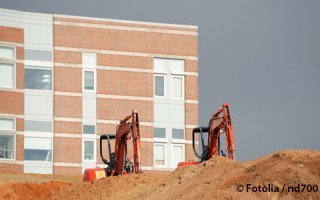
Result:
pixel 65 80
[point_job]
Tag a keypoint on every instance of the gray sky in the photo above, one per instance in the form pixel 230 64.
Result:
pixel 263 57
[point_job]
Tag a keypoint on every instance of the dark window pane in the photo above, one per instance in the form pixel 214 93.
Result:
pixel 37 155
pixel 38 79
pixel 89 80
pixel 89 129
pixel 177 133
pixel 7 146
pixel 159 86
pixel 159 132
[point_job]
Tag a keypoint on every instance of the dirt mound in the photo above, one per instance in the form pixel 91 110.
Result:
pixel 217 178
pixel 29 190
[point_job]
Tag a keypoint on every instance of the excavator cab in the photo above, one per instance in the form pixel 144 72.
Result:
pixel 128 164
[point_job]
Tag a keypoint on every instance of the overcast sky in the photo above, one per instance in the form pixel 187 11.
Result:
pixel 263 57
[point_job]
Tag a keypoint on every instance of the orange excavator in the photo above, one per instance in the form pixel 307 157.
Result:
pixel 220 123
pixel 119 162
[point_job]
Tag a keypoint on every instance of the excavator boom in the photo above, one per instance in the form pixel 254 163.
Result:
pixel 220 123
pixel 118 162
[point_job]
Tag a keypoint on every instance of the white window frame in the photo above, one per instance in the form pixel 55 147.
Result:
pixel 14 65
pixel 11 133
pixel 41 68
pixel 182 87
pixel 94 150
pixel 165 86
pixel 183 153
pixel 165 155
pixel 5 60
pixel 14 51
pixel 94 81
pixel 41 136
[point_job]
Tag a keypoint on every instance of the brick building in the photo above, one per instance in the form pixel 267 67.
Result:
pixel 65 80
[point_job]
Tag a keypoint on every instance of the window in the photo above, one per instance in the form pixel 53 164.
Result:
pixel 159 154
pixel 89 129
pixel 89 80
pixel 40 55
pixel 177 154
pixel 7 146
pixel 7 124
pixel 38 126
pixel 88 150
pixel 159 132
pixel 37 149
pixel 7 52
pixel 159 85
pixel 177 133
pixel 38 79
pixel 7 140
pixel 7 75
pixel 177 87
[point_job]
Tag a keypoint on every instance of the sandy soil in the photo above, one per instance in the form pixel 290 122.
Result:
pixel 33 186
pixel 214 179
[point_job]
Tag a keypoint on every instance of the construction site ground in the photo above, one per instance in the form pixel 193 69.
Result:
pixel 217 178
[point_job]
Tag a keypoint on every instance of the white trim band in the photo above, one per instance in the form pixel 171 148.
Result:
pixel 12 162
pixel 124 53
pixel 67 119
pixel 12 90
pixel 117 68
pixel 138 98
pixel 11 43
pixel 11 115
pixel 192 101
pixel 71 94
pixel 65 164
pixel 191 126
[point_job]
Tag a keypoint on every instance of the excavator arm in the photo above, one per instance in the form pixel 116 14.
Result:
pixel 119 162
pixel 220 123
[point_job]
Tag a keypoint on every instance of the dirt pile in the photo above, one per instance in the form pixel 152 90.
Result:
pixel 217 178
pixel 29 190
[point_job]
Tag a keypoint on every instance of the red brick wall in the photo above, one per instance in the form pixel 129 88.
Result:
pixel 9 34
pixel 125 83
pixel 67 150
pixel 67 170
pixel 125 61
pixel 11 102
pixel 119 40
pixel 191 87
pixel 68 57
pixel 67 127
pixel 71 76
pixel 191 66
pixel 117 109
pixel 191 114
pixel 67 106
pixel 19 147
pixel 11 168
